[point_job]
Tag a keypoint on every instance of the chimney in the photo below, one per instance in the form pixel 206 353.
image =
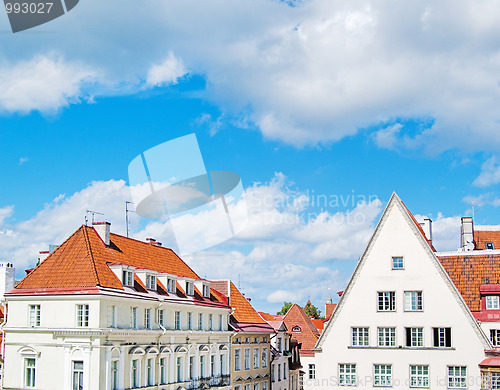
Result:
pixel 427 228
pixel 7 281
pixel 42 255
pixel 152 241
pixel 103 229
pixel 467 235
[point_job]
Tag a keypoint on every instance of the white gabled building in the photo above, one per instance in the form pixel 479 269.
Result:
pixel 106 312
pixel 400 322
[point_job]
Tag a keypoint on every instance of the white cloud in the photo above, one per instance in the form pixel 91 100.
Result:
pixel 490 173
pixel 45 83
pixel 445 232
pixel 167 72
pixel 388 137
pixel 5 212
pixel 312 73
pixel 23 160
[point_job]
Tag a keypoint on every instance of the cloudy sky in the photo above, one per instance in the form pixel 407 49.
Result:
pixel 323 107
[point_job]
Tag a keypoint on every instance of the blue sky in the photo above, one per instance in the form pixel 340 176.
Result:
pixel 324 98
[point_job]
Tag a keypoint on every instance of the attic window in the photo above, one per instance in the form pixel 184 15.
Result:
pixel 398 263
pixel 296 328
pixel 492 303
pixel 189 288
pixel 151 282
pixel 171 285
pixel 489 245
pixel 206 291
pixel 128 278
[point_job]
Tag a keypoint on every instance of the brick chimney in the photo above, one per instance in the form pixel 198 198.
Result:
pixel 103 229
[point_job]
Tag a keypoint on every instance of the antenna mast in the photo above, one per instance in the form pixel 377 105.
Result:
pixel 93 213
pixel 127 223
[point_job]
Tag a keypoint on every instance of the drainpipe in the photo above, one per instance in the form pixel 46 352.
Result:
pixel 158 340
pixel 2 348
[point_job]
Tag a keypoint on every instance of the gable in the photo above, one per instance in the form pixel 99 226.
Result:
pixel 397 234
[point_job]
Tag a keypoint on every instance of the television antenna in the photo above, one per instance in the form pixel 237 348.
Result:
pixel 127 222
pixel 93 213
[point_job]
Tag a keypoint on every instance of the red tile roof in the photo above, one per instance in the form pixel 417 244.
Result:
pixel 481 237
pixel 469 272
pixel 308 335
pixel 81 261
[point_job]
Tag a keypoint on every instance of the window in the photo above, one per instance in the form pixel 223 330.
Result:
pixel 247 387
pixel 296 328
pixel 419 376
pixel 82 315
pixel 133 318
pixel 264 385
pixel 382 375
pixel 160 317
pixel 414 337
pixel 264 339
pixel 386 301
pixel 360 337
pixel 171 287
pixel 312 371
pixel 492 303
pixel 179 369
pixel 210 322
pixel 397 263
pixel 386 337
pixel 442 337
pixel 457 377
pixel 29 372
pixel 112 316
pixel 147 318
pixel 189 288
pixel 279 344
pixel 264 357
pixel 489 245
pixel 273 376
pixel 247 340
pixel 256 358
pixel 284 370
pixel 177 320
pixel 256 386
pixel 279 372
pixel 206 291
pixel 34 315
pixel 222 365
pixel 247 358
pixel 200 321
pixel 128 278
pixel 347 374
pixel 134 373
pixel 237 359
pixel 77 375
pixel 149 372
pixel 151 282
pixel 220 322
pixel 191 367
pixel 190 321
pixel 495 337
pixel 114 375
pixel 490 380
pixel 212 366
pixel 413 300
pixel 202 366
pixel 163 371
pixel 256 340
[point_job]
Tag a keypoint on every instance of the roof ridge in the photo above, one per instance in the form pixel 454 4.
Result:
pixel 89 252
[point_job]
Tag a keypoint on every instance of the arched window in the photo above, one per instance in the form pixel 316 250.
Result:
pixel 296 328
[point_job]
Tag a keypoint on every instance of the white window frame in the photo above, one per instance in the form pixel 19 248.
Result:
pixel 264 357
pixel 137 382
pixel 419 379
pixel 31 369
pixel 200 321
pixel 386 301
pixel 311 371
pixel 189 288
pixel 34 315
pixel 150 282
pixel 413 301
pixel 441 340
pixel 395 263
pixel 147 319
pixel 457 377
pixel 82 315
pixel 190 321
pixel 160 317
pixel 177 321
pixel 128 278
pixel 221 323
pixel 495 337
pixel 386 337
pixel 360 336
pixel 149 375
pixel 246 359
pixel 80 372
pixel 256 358
pixel 112 316
pixel 237 359
pixel 134 321
pixel 347 374
pixel 382 373
pixel 210 321
pixel 416 337
pixel 171 285
pixel 492 302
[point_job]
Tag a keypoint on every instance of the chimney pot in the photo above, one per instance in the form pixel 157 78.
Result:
pixel 103 229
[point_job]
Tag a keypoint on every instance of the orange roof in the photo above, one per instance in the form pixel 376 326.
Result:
pixel 469 272
pixel 308 335
pixel 318 323
pixel 81 261
pixel 481 237
pixel 266 316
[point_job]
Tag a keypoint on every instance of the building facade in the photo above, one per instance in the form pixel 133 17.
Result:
pixel 108 312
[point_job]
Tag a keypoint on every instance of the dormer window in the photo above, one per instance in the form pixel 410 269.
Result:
pixel 489 245
pixel 189 288
pixel 296 328
pixel 151 282
pixel 492 303
pixel 128 278
pixel 206 291
pixel 171 285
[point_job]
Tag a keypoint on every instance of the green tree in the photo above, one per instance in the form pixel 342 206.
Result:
pixel 285 308
pixel 311 310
